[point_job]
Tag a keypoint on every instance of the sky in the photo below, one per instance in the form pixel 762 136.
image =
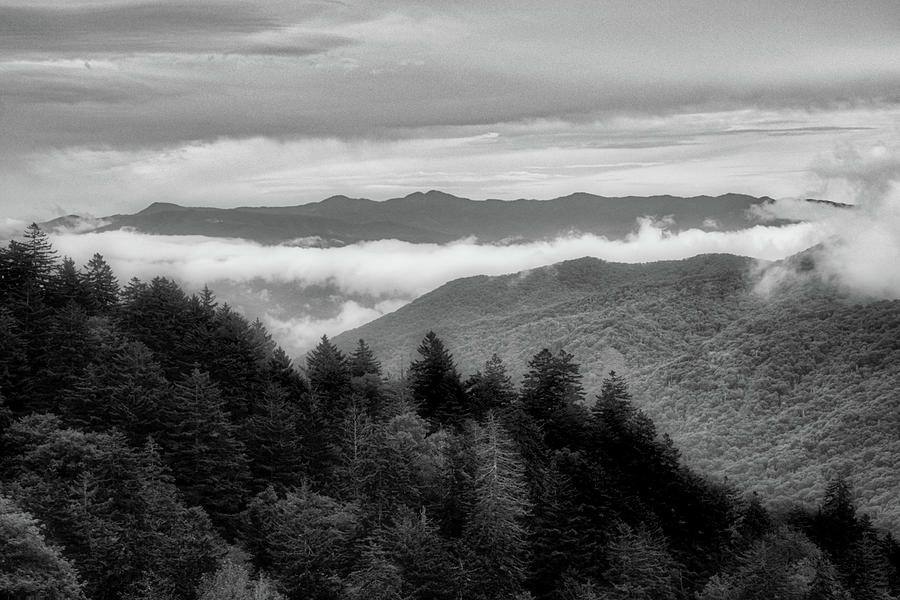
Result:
pixel 107 106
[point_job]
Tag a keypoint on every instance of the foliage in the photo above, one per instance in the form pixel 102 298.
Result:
pixel 30 566
pixel 138 428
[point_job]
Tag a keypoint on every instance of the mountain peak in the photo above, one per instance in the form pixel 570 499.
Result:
pixel 160 207
pixel 431 196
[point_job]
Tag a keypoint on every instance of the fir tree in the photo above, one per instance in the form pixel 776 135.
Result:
pixel 309 539
pixel 206 459
pixel 495 532
pixel 363 361
pixel 123 387
pixel 68 286
pixel 551 395
pixel 329 377
pixel 101 285
pixel 40 258
pixel 435 385
pixel 274 443
pixel 490 390
pixel 30 567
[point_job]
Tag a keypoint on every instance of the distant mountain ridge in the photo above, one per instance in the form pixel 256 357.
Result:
pixel 431 217
pixel 775 393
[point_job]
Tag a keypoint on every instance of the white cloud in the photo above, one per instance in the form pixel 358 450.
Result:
pixel 11 228
pixel 383 275
pixel 300 334
pixel 391 268
pixel 861 247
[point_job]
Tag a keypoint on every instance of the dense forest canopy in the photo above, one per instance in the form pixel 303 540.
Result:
pixel 156 445
pixel 777 391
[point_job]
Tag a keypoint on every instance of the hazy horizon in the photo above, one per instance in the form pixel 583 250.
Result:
pixel 110 105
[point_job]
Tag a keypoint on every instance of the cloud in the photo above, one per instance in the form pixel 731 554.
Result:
pixel 364 280
pixel 861 247
pixel 329 69
pixel 391 268
pixel 300 334
pixel 11 228
pixel 676 154
pixel 160 26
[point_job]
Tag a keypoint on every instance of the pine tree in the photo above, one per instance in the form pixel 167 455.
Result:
pixel 490 390
pixel 363 361
pixel 66 349
pixel 14 361
pixel 495 532
pixel 158 315
pixel 30 567
pixel 310 541
pixel 274 443
pixel 330 404
pixel 40 256
pixel 783 564
pixel 67 286
pixel 113 508
pixel 641 567
pixel 101 284
pixel 551 395
pixel 836 527
pixel 375 578
pixel 436 387
pixel 123 387
pixel 413 544
pixel 329 378
pixel 233 581
pixel 200 446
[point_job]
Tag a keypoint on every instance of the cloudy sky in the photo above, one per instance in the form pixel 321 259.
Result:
pixel 106 106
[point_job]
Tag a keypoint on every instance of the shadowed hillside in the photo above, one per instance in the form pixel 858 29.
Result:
pixel 432 217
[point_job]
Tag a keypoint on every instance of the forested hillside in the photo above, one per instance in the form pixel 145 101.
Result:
pixel 159 446
pixel 776 392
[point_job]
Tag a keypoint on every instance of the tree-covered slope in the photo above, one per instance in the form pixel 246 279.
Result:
pixel 159 446
pixel 771 392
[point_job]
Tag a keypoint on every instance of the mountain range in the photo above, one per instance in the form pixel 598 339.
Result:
pixel 432 217
pixel 775 392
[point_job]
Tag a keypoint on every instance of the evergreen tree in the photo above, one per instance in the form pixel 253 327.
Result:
pixel 233 581
pixel 436 387
pixel 836 527
pixel 363 361
pixel 641 567
pixel 199 444
pixel 66 349
pixel 555 535
pixel 310 540
pixel 158 315
pixel 551 395
pixel 40 259
pixel 67 286
pixel 101 285
pixel 14 360
pixel 30 567
pixel 412 543
pixel 123 387
pixel 112 507
pixel 495 533
pixel 490 390
pixel 783 565
pixel 233 352
pixel 329 378
pixel 375 578
pixel 274 442
pixel 329 404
